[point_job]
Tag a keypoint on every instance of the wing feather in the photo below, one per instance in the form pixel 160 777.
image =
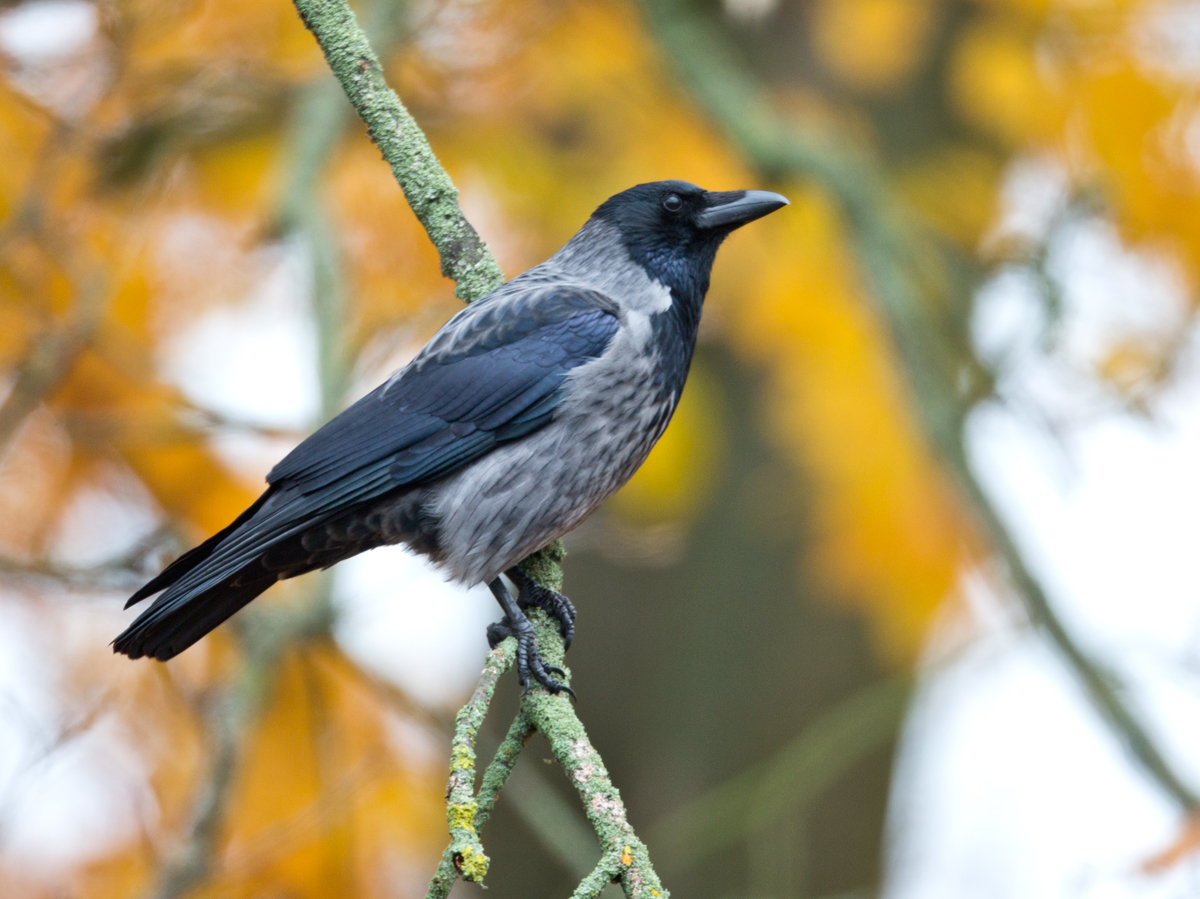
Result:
pixel 455 402
pixel 484 385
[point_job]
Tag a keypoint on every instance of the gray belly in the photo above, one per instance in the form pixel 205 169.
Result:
pixel 523 495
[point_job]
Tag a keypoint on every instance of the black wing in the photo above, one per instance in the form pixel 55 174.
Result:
pixel 491 375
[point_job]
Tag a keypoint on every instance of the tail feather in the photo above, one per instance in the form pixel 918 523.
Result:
pixel 173 623
pixel 181 616
pixel 196 555
pixel 204 587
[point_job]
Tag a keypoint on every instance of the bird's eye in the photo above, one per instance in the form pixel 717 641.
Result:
pixel 672 203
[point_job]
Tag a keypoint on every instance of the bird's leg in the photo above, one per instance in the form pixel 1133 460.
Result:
pixel 514 624
pixel 533 595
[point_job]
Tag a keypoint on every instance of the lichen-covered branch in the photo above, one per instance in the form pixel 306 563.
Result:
pixel 886 254
pixel 466 260
pixel 465 853
pixel 462 807
pixel 554 716
pixel 428 189
pixel 503 761
pixel 624 857
pixel 605 872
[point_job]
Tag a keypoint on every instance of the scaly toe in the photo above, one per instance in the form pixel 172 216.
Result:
pixel 499 631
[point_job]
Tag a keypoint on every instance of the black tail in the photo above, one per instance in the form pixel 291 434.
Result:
pixel 173 623
pixel 195 555
pixel 206 585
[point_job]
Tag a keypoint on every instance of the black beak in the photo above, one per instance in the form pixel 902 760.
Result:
pixel 736 208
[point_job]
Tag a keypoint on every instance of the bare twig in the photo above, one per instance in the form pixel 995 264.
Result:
pixel 52 356
pixel 125 571
pixel 264 636
pixel 22 775
pixel 320 120
pixel 191 864
pixel 884 250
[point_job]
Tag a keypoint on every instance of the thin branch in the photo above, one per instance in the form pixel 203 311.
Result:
pixel 319 120
pixel 264 636
pixel 196 416
pixel 740 107
pixel 53 356
pixel 124 571
pixel 192 863
pixel 557 823
pixel 466 259
pixel 461 806
pixel 22 775
pixel 428 189
pixel 554 717
pixel 502 764
pixel 625 858
pixel 606 870
pixel 466 813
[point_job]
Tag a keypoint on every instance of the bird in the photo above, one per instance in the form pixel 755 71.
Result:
pixel 523 413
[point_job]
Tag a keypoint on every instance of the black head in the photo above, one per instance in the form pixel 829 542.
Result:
pixel 673 228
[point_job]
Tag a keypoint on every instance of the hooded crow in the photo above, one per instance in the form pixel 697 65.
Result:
pixel 526 411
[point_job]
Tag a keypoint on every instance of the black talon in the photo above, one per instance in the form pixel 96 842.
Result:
pixel 533 595
pixel 529 661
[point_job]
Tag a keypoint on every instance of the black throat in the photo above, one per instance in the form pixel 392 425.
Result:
pixel 685 271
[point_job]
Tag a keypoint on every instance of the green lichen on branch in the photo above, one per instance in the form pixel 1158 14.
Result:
pixel 454 860
pixel 502 764
pixel 545 566
pixel 461 806
pixel 625 858
pixel 608 868
pixel 428 189
pixel 467 260
pixel 554 716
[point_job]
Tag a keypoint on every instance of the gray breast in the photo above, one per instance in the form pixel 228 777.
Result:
pixel 523 495
pixel 488 516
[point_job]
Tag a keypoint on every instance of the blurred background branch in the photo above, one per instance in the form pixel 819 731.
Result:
pixel 746 806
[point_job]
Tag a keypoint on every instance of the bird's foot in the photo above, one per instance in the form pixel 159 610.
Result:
pixel 533 595
pixel 529 659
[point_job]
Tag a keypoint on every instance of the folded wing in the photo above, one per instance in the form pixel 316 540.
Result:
pixel 492 375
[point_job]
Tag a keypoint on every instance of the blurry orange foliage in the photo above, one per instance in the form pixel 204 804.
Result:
pixel 128 217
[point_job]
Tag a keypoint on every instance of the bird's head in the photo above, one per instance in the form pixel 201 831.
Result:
pixel 673 228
